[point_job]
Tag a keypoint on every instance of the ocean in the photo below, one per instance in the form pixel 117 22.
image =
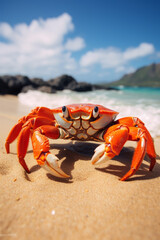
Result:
pixel 138 102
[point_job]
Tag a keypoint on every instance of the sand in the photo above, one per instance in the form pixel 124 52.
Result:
pixel 92 204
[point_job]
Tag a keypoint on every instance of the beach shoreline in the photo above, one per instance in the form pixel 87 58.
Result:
pixel 92 204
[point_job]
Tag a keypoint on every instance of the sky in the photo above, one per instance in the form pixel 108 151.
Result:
pixel 91 40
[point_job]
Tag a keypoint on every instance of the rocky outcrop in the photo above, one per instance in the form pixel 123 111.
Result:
pixel 3 86
pixel 38 82
pixel 62 82
pixel 82 87
pixel 43 88
pixel 46 89
pixel 16 84
pixel 28 88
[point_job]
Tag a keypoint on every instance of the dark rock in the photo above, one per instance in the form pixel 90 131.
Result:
pixel 46 89
pixel 99 87
pixel 28 88
pixel 62 82
pixel 3 87
pixel 15 83
pixel 82 87
pixel 37 82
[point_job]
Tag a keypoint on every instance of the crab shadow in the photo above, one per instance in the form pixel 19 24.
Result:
pixel 82 151
pixel 125 158
pixel 85 150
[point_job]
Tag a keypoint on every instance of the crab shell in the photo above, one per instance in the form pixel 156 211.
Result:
pixel 83 121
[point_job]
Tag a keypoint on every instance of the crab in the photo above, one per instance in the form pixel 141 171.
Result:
pixel 82 122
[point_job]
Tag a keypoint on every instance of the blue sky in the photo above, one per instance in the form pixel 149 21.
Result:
pixel 94 41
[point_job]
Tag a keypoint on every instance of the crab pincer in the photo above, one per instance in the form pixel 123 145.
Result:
pixel 100 155
pixel 49 162
pixel 41 152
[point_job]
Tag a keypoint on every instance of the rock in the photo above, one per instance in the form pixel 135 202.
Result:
pixel 15 83
pixel 62 82
pixel 28 88
pixel 82 87
pixel 38 82
pixel 99 87
pixel 3 87
pixel 46 89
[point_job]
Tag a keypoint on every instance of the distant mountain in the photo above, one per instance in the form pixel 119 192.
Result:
pixel 148 76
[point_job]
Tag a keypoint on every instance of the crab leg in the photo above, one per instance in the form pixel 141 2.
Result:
pixel 136 122
pixel 22 145
pixel 41 148
pixel 41 112
pixel 14 134
pixel 136 134
pixel 150 147
pixel 23 133
pixel 115 138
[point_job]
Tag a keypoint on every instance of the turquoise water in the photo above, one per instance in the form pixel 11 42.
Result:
pixel 138 95
pixel 139 102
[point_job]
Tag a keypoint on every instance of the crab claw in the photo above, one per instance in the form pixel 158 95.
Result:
pixel 51 165
pixel 100 155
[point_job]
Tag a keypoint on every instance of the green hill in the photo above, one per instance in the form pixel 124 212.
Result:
pixel 148 76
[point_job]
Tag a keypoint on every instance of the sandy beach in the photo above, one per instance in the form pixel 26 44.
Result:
pixel 92 204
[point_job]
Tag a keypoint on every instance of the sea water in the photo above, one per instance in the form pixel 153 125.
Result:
pixel 138 102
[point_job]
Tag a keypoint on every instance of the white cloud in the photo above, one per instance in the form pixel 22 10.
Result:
pixel 47 32
pixel 107 58
pixel 75 44
pixel 115 58
pixel 40 48
pixel 142 50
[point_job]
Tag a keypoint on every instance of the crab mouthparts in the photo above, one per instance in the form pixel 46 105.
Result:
pixel 80 115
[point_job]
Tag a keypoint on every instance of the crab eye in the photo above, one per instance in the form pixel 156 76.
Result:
pixel 65 111
pixel 95 112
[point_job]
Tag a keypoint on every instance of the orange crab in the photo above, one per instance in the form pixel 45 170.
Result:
pixel 80 122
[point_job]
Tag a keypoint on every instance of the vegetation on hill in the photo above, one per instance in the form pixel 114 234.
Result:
pixel 148 76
